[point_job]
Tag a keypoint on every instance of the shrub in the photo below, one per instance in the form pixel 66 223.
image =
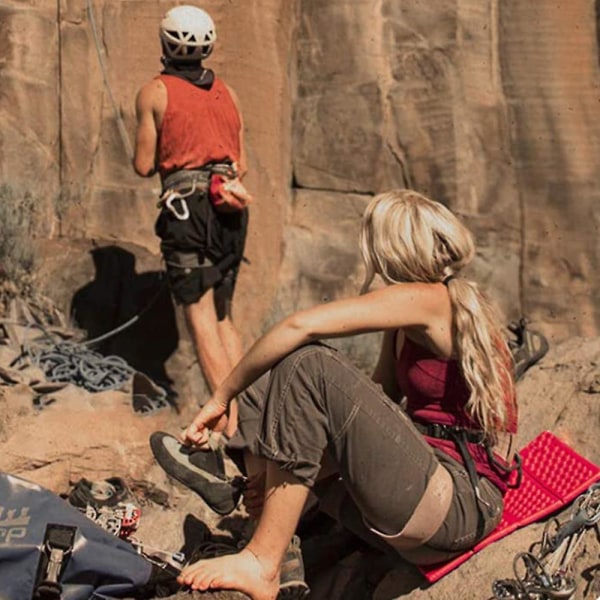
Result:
pixel 17 259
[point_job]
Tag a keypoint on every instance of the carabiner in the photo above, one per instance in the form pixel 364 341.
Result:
pixel 182 215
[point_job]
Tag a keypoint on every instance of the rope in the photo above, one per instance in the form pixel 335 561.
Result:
pixel 69 362
pixel 101 54
pixel 130 322
pixel 72 362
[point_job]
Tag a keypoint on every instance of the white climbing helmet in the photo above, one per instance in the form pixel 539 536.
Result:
pixel 187 33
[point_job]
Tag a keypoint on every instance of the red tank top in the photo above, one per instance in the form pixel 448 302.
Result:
pixel 199 126
pixel 436 392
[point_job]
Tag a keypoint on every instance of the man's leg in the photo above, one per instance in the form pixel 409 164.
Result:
pixel 231 342
pixel 204 328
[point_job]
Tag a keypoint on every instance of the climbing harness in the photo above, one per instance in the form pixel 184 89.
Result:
pixel 544 572
pixel 180 185
pixel 461 437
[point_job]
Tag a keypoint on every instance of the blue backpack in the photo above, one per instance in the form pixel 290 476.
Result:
pixel 51 551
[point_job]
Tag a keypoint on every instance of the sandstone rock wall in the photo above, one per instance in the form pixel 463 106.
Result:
pixel 69 79
pixel 488 106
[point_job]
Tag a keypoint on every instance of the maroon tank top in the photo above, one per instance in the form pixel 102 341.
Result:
pixel 199 126
pixel 436 392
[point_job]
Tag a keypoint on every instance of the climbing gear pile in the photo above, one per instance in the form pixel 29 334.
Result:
pixel 51 550
pixel 108 503
pixel 545 571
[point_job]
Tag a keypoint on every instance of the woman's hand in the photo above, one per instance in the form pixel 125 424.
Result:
pixel 212 417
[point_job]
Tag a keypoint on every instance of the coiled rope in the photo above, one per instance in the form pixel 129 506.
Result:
pixel 70 362
pixel 74 362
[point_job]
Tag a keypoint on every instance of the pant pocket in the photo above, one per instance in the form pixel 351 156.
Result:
pixel 462 529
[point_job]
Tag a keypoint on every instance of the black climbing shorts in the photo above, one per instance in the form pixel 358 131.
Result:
pixel 203 251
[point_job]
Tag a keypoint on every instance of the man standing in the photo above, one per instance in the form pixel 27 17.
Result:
pixel 190 132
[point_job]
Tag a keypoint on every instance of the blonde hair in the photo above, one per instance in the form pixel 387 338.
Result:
pixel 407 237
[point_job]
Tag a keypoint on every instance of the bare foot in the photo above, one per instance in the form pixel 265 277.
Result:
pixel 242 572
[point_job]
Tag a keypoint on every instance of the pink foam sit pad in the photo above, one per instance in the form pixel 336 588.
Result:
pixel 553 475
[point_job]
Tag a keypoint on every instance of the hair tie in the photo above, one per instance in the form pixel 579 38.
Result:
pixel 447 279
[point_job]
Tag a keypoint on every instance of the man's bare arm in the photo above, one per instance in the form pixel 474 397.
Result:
pixel 243 164
pixel 144 158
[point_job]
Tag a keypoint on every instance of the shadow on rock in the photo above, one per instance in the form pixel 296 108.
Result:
pixel 119 295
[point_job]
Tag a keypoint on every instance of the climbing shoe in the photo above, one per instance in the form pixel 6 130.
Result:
pixel 527 346
pixel 202 471
pixel 107 492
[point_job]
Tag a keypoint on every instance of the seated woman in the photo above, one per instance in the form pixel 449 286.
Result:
pixel 420 479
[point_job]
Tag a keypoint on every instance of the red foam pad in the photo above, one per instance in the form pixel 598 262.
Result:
pixel 553 475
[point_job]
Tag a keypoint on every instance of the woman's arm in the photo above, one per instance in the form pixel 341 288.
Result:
pixel 389 308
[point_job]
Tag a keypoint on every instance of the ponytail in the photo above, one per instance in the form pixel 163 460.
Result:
pixel 484 358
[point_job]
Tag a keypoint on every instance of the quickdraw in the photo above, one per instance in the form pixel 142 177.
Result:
pixel 544 572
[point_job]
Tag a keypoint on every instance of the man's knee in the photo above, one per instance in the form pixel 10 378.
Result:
pixel 201 316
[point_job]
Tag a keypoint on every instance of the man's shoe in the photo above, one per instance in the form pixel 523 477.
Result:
pixel 527 347
pixel 202 471
pixel 291 582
